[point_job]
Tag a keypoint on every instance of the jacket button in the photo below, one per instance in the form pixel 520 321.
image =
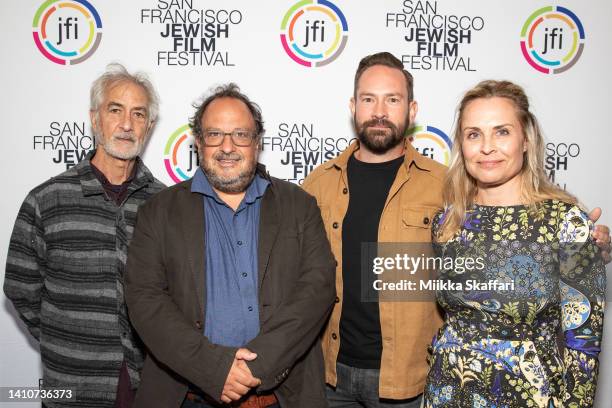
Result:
pixel 344 190
pixel 426 220
pixel 337 299
pixel 335 225
pixel 334 336
pixel 198 325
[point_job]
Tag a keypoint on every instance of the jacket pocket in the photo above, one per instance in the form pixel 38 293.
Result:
pixel 418 216
pixel 416 223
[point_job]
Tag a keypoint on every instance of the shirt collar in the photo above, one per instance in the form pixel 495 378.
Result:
pixel 90 185
pixel 255 190
pixel 106 183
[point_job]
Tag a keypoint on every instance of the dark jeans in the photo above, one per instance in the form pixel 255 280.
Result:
pixel 358 388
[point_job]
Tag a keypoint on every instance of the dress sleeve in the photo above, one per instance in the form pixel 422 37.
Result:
pixel 24 276
pixel 437 224
pixel 582 285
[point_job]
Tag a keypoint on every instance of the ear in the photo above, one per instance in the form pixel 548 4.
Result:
pixel 413 110
pixel 93 117
pixel 525 143
pixel 150 127
pixel 352 105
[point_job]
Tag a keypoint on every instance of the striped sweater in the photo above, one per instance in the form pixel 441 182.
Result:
pixel 64 275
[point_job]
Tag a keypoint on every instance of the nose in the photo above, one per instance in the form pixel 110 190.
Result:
pixel 227 145
pixel 488 144
pixel 380 111
pixel 126 122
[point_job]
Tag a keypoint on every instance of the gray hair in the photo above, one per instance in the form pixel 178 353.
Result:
pixel 116 73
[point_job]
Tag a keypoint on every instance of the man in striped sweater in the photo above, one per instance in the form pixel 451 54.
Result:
pixel 66 259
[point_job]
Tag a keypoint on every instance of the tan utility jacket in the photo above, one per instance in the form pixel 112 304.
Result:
pixel 407 328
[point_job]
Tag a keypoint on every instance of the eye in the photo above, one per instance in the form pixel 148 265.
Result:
pixel 503 132
pixel 139 115
pixel 242 134
pixel 394 100
pixel 367 99
pixel 471 135
pixel 114 110
pixel 213 133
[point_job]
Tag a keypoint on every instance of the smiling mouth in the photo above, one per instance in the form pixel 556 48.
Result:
pixel 227 162
pixel 489 164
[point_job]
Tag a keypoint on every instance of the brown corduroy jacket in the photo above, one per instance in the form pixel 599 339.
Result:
pixel 166 288
pixel 407 327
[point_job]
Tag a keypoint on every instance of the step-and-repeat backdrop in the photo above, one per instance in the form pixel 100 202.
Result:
pixel 297 60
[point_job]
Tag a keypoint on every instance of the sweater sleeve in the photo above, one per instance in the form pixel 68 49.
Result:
pixel 25 264
pixel 582 285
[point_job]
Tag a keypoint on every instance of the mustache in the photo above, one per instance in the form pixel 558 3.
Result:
pixel 125 136
pixel 227 156
pixel 378 123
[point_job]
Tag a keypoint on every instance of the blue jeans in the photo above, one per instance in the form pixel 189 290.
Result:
pixel 358 388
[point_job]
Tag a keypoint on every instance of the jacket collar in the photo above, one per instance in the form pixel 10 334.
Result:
pixel 411 156
pixel 90 185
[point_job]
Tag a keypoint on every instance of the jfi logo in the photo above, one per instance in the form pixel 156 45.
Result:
pixel 65 27
pixel 554 37
pixel 311 32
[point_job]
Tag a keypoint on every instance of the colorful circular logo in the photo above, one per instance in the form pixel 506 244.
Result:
pixel 181 155
pixel 314 32
pixel 67 32
pixel 431 142
pixel 552 39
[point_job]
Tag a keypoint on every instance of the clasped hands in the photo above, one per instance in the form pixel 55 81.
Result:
pixel 239 380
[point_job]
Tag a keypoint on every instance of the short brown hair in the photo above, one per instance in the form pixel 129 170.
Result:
pixel 388 60
pixel 230 90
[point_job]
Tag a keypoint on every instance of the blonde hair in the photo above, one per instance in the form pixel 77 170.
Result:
pixel 460 187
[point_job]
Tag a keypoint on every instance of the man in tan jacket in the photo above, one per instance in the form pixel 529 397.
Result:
pixel 380 189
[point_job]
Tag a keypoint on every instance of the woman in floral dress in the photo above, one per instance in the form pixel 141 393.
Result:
pixel 532 339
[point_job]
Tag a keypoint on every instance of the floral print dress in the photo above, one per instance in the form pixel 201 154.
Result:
pixel 535 345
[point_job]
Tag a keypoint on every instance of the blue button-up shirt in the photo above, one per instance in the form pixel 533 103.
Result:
pixel 232 312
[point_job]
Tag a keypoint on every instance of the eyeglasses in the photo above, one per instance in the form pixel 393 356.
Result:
pixel 240 137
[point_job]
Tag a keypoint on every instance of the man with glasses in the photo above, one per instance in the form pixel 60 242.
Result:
pixel 230 276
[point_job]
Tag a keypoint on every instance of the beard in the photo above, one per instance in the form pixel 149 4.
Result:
pixel 230 183
pixel 115 146
pixel 380 141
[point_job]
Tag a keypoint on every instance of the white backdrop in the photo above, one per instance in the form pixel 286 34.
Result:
pixel 45 104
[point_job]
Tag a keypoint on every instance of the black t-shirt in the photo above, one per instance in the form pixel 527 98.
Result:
pixel 369 185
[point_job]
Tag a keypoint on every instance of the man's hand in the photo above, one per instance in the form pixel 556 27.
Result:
pixel 239 379
pixel 601 235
